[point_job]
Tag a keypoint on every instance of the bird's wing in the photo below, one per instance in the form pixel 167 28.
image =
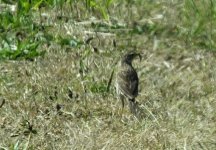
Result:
pixel 128 83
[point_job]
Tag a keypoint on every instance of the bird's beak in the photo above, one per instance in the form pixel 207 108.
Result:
pixel 138 54
pixel 140 57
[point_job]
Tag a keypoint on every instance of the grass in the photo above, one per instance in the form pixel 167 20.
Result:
pixel 54 95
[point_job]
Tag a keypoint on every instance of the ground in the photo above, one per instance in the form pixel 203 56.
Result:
pixel 62 98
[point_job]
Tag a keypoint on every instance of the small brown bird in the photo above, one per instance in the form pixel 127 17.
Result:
pixel 127 81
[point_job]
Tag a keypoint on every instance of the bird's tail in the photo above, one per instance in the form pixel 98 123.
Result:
pixel 133 106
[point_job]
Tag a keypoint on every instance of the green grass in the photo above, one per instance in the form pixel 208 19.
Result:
pixel 56 63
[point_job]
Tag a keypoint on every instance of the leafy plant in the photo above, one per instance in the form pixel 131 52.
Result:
pixel 98 87
pixel 7 21
pixel 17 49
pixel 100 5
pixel 199 27
pixel 72 42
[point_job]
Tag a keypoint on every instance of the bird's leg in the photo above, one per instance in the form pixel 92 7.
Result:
pixel 133 106
pixel 122 100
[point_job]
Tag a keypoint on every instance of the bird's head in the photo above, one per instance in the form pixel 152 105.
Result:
pixel 129 57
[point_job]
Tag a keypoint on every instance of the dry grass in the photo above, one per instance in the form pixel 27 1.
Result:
pixel 59 101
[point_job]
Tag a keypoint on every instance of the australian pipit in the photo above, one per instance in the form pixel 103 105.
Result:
pixel 127 81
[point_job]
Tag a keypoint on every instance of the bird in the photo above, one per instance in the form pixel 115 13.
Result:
pixel 127 81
